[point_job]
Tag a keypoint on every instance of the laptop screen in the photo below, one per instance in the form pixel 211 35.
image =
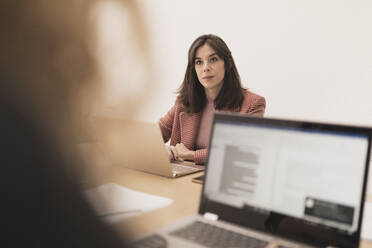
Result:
pixel 309 172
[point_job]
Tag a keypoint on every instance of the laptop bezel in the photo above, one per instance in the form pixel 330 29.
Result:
pixel 294 229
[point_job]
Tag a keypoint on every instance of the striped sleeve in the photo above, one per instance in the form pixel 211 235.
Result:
pixel 166 124
pixel 200 156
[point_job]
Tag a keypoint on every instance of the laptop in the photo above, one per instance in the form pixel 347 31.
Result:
pixel 140 146
pixel 299 183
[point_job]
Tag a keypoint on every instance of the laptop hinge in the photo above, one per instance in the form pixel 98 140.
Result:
pixel 210 216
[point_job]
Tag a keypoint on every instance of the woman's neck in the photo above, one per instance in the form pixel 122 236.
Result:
pixel 212 94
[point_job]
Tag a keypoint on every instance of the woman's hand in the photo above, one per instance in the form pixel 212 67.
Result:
pixel 183 153
pixel 180 152
pixel 172 152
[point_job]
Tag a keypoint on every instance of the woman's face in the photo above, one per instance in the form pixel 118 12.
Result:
pixel 210 68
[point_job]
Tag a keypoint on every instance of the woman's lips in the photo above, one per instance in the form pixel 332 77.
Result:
pixel 207 77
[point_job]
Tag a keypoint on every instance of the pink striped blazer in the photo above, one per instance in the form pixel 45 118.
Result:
pixel 181 127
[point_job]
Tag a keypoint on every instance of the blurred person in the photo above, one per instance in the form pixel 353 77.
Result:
pixel 54 58
pixel 211 83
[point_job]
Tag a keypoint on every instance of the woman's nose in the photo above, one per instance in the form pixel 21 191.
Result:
pixel 206 67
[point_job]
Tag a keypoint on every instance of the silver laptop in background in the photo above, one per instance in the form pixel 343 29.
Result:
pixel 139 145
pixel 301 184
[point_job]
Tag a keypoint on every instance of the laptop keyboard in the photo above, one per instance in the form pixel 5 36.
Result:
pixel 180 169
pixel 213 236
pixel 206 235
pixel 153 241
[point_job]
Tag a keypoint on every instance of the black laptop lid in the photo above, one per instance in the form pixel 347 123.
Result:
pixel 300 180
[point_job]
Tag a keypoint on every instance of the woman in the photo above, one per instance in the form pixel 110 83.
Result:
pixel 211 83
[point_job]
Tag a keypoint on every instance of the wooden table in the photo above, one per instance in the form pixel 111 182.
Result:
pixel 183 191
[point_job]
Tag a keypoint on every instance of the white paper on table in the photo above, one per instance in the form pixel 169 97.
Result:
pixel 115 203
pixel 367 222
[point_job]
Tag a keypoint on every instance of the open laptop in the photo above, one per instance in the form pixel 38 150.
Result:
pixel 140 146
pixel 299 183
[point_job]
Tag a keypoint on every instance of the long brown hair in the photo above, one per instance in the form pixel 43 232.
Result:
pixel 191 92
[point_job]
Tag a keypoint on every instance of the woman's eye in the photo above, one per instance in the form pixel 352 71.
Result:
pixel 213 59
pixel 198 62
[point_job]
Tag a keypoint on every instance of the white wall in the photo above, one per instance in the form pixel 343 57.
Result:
pixel 311 59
